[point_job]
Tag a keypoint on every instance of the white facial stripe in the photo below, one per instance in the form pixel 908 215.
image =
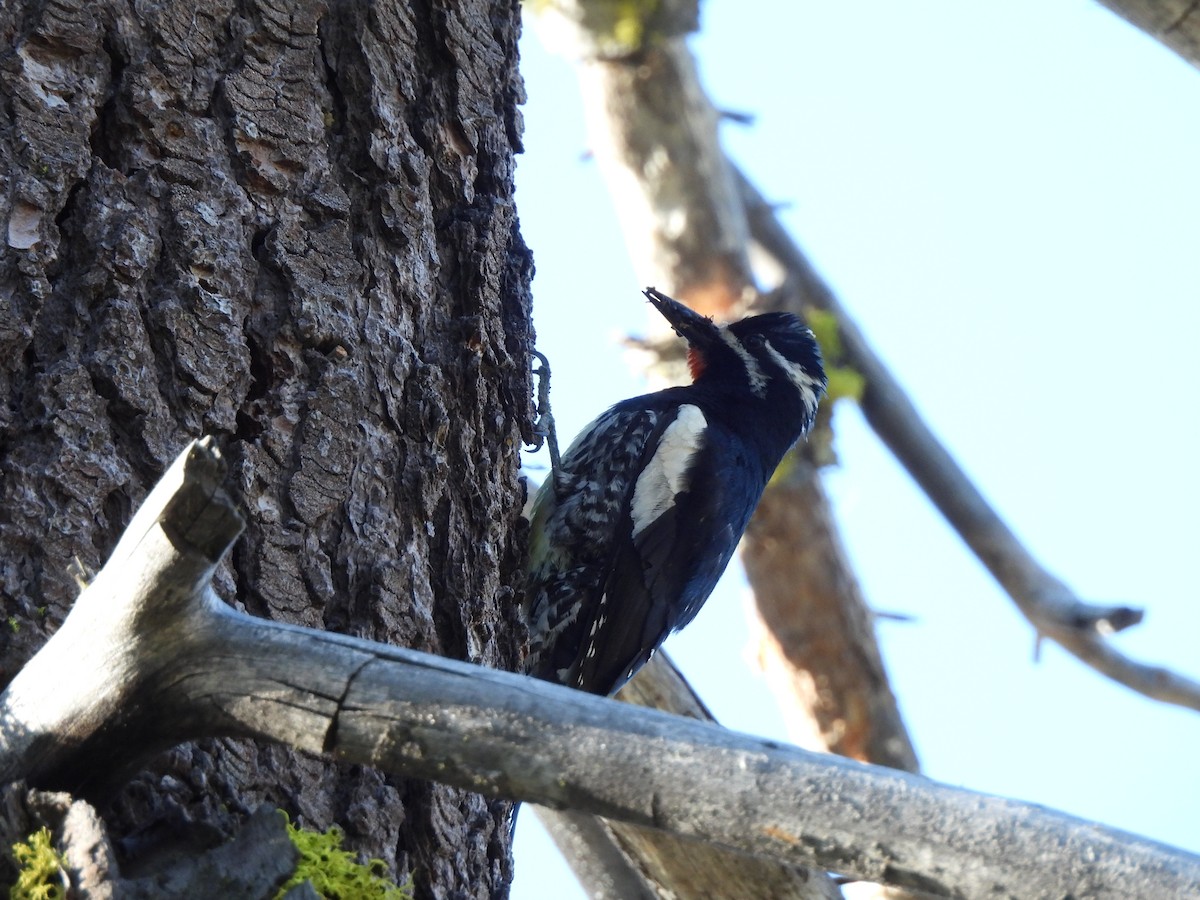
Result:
pixel 809 387
pixel 758 379
pixel 663 476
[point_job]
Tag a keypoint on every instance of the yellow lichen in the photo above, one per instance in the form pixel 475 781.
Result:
pixel 629 22
pixel 612 27
pixel 40 873
pixel 334 873
pixel 844 382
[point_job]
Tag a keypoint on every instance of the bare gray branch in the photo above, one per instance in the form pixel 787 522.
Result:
pixel 157 658
pixel 1053 609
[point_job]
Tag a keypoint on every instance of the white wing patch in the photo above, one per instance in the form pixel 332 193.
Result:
pixel 663 477
pixel 809 387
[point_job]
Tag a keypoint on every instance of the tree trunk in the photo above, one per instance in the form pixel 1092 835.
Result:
pixel 291 224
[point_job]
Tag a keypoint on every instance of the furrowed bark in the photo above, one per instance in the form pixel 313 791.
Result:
pixel 290 223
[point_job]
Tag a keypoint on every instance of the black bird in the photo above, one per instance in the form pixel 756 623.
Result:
pixel 630 534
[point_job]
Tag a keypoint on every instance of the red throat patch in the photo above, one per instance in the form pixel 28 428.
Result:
pixel 696 362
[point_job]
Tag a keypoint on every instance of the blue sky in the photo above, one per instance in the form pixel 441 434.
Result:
pixel 1007 197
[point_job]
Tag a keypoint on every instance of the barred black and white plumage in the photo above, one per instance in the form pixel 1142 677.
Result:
pixel 630 535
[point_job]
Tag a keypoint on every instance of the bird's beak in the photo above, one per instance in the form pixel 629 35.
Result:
pixel 699 331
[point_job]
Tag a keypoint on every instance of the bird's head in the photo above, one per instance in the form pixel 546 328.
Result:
pixel 772 357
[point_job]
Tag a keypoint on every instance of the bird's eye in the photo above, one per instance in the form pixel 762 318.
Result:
pixel 755 341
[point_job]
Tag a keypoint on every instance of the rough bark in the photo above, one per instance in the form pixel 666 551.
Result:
pixel 290 223
pixel 251 866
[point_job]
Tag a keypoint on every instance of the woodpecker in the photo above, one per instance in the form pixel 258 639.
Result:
pixel 630 534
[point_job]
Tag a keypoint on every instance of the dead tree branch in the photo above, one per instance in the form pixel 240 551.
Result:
pixel 616 860
pixel 150 656
pixel 1054 610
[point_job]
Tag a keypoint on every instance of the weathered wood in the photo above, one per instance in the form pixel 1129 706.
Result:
pixel 190 665
pixel 602 851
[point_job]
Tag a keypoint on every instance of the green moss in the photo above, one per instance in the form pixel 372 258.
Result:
pixel 783 471
pixel 844 382
pixel 629 22
pixel 334 872
pixel 616 27
pixel 39 869
pixel 824 327
pixel 14 624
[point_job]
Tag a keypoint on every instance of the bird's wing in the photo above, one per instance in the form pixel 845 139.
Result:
pixel 576 523
pixel 687 511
